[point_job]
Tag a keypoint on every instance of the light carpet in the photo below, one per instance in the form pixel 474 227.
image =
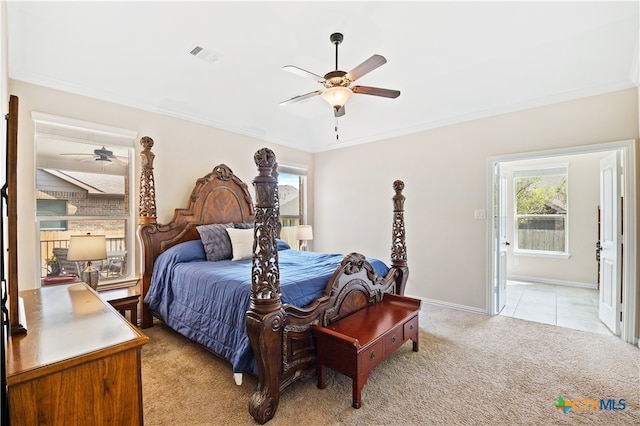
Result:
pixel 471 369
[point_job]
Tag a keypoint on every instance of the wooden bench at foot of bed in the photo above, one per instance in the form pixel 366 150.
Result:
pixel 357 343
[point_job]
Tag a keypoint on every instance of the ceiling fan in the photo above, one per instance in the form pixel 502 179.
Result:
pixel 338 88
pixel 102 156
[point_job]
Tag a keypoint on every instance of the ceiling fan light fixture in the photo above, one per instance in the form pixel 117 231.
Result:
pixel 337 96
pixel 103 161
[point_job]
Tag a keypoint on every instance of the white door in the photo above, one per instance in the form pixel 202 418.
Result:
pixel 610 242
pixel 500 232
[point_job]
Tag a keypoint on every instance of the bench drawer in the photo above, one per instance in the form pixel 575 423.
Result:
pixel 393 340
pixel 371 357
pixel 411 329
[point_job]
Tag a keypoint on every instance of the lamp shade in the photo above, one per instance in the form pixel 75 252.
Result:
pixel 337 96
pixel 304 233
pixel 87 247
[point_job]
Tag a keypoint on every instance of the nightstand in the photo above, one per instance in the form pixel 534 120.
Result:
pixel 123 300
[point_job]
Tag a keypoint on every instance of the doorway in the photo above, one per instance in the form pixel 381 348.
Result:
pixel 499 241
pixel 555 304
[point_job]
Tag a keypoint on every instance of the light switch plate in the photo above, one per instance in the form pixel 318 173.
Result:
pixel 480 214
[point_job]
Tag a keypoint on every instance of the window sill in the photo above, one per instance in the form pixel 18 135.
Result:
pixel 547 254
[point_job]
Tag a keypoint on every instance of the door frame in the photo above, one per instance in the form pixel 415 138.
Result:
pixel 630 284
pixel 500 249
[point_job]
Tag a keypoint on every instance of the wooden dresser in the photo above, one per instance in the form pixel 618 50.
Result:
pixel 78 364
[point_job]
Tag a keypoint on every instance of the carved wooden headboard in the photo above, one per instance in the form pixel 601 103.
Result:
pixel 218 197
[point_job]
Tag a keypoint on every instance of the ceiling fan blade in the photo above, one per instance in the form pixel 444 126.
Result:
pixel 117 160
pixel 300 97
pixel 376 91
pixel 339 112
pixel 367 66
pixel 303 73
pixel 76 153
pixel 93 158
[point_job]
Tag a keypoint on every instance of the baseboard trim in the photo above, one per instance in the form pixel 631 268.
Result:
pixel 465 308
pixel 527 279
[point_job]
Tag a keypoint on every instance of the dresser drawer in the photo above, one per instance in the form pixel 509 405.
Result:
pixel 371 357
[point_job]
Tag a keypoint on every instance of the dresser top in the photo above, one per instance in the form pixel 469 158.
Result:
pixel 66 324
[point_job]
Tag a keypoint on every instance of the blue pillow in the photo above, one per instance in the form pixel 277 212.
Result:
pixel 282 245
pixel 185 252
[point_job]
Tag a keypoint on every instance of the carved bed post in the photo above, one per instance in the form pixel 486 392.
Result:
pixel 265 317
pixel 276 199
pixel 148 218
pixel 398 240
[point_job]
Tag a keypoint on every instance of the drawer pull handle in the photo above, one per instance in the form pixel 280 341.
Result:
pixel 372 355
pixel 411 327
pixel 393 339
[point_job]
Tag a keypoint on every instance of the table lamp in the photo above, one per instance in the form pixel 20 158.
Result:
pixel 87 248
pixel 304 233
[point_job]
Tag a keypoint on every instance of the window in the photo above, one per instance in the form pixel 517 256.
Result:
pixel 52 208
pixel 292 198
pixel 84 185
pixel 541 210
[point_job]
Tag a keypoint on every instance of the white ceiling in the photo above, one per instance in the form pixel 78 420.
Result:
pixel 452 61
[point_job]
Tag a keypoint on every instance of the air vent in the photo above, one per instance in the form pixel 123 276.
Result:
pixel 205 54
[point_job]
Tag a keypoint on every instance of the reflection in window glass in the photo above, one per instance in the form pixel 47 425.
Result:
pixel 82 188
pixel 290 187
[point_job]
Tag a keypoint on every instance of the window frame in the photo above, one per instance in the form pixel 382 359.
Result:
pixel 66 129
pixel 301 172
pixel 559 169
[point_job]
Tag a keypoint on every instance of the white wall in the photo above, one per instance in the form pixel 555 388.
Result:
pixel 184 152
pixel 4 84
pixel 445 172
pixel 583 196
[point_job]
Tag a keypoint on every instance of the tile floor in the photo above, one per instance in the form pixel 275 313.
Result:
pixel 564 306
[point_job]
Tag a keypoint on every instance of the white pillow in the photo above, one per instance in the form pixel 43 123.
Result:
pixel 241 243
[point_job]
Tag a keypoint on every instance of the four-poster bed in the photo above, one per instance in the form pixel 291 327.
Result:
pixel 279 332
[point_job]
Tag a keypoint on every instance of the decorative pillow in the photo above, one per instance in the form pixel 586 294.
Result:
pixel 243 225
pixel 282 245
pixel 217 244
pixel 186 252
pixel 241 243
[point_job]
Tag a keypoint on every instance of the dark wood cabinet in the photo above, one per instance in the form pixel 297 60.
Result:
pixel 123 300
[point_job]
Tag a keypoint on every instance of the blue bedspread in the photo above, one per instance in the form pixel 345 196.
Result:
pixel 207 301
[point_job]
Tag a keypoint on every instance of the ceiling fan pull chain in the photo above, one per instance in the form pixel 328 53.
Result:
pixel 336 128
